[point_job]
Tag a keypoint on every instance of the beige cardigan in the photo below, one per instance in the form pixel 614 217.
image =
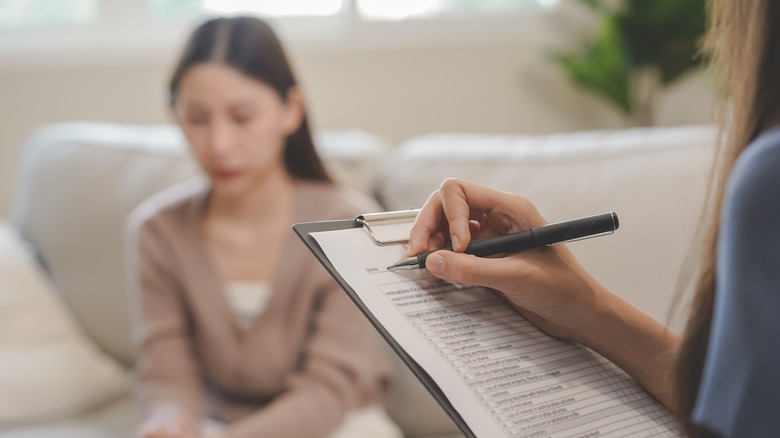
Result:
pixel 307 360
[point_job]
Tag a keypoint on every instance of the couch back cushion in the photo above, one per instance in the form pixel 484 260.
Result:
pixel 77 183
pixel 655 179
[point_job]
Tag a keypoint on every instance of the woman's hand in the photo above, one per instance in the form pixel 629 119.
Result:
pixel 168 423
pixel 547 285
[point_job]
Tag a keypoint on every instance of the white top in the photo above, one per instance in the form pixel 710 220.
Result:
pixel 247 299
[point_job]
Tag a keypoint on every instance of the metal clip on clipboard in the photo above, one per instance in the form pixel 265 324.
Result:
pixel 389 228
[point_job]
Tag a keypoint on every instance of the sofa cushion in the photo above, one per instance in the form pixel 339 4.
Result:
pixel 48 368
pixel 117 419
pixel 77 184
pixel 654 178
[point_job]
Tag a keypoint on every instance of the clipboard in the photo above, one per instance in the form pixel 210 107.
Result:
pixel 379 227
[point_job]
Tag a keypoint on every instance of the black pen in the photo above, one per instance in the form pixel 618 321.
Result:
pixel 546 235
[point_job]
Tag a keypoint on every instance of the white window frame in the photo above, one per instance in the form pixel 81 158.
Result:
pixel 125 33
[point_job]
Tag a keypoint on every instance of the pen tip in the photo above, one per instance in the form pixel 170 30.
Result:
pixel 401 265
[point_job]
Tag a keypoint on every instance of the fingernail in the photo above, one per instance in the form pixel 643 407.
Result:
pixel 455 242
pixel 435 263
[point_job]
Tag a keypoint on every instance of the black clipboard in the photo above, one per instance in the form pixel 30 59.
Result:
pixel 304 231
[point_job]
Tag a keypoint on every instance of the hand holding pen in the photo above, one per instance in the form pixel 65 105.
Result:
pixel 545 235
pixel 550 288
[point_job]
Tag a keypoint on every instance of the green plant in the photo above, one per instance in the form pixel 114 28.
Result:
pixel 639 35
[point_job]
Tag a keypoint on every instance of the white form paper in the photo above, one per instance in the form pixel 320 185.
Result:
pixel 504 376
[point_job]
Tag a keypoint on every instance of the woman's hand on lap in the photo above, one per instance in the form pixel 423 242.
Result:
pixel 168 424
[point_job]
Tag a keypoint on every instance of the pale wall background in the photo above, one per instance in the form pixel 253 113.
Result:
pixel 397 91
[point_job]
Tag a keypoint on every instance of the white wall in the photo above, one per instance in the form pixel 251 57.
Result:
pixel 397 92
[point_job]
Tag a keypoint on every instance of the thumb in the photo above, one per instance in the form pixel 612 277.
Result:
pixel 470 269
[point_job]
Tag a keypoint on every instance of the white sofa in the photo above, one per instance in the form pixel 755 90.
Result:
pixel 78 181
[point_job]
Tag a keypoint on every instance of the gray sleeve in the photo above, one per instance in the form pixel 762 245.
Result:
pixel 740 387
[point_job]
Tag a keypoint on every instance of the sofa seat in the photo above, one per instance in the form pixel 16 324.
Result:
pixel 116 419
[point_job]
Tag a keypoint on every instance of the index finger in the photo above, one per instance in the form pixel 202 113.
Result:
pixel 450 208
pixel 426 224
pixel 458 211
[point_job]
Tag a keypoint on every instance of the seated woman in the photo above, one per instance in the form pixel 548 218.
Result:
pixel 237 322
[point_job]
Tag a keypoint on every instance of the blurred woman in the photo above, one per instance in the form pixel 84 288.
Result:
pixel 238 322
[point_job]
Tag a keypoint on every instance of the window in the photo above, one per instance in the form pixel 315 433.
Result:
pixel 365 9
pixel 43 31
pixel 16 14
pixel 272 8
pixel 276 8
pixel 174 8
pixel 33 13
pixel 403 9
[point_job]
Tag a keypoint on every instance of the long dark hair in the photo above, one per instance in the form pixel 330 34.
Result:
pixel 250 46
pixel 744 42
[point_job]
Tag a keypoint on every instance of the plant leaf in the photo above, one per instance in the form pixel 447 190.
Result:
pixel 664 34
pixel 604 67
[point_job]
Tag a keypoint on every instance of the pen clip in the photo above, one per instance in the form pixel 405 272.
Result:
pixel 606 233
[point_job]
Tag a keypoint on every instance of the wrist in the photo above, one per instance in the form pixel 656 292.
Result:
pixel 168 409
pixel 171 413
pixel 643 347
pixel 604 318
